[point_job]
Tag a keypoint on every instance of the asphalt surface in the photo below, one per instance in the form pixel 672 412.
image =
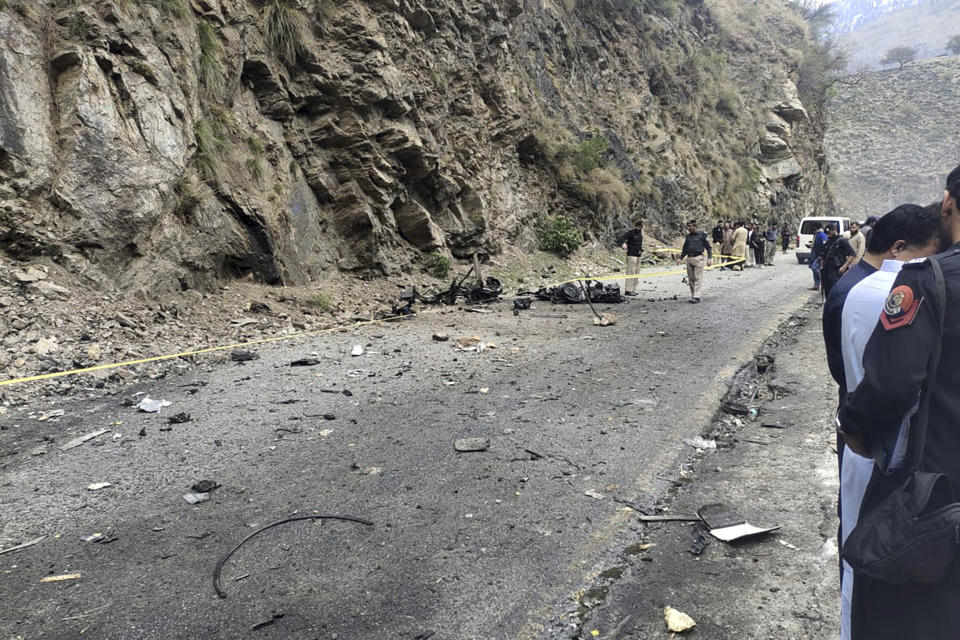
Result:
pixel 499 543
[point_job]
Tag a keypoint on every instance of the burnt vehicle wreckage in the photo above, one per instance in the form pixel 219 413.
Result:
pixel 490 289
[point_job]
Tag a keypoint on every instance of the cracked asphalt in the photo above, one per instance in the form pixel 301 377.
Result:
pixel 501 543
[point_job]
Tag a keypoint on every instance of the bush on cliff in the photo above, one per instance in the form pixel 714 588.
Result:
pixel 560 235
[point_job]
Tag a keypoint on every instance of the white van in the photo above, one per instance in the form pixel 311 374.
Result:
pixel 806 233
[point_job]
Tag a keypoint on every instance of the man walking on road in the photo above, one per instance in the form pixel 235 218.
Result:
pixel 632 243
pixel 785 237
pixel 875 421
pixel 906 233
pixel 770 251
pixel 694 246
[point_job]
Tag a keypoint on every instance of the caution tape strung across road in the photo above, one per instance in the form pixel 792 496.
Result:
pixel 307 334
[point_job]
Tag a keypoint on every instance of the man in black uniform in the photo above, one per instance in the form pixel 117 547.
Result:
pixel 875 416
pixel 717 235
pixel 632 243
pixel 838 256
pixel 694 246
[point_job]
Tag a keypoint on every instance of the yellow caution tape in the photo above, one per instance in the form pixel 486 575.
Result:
pixel 196 352
pixel 306 334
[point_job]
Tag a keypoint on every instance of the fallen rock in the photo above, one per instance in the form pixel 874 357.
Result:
pixel 467 445
pixel 677 621
pixel 30 275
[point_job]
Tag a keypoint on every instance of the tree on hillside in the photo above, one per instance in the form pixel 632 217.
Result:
pixel 954 45
pixel 900 55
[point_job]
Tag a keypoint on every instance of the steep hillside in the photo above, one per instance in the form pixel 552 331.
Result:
pixel 892 138
pixel 170 144
pixel 867 29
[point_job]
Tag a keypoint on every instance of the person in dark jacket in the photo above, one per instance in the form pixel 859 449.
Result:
pixel 717 236
pixel 694 246
pixel 875 420
pixel 816 253
pixel 632 243
pixel 838 256
pixel 785 234
pixel 758 244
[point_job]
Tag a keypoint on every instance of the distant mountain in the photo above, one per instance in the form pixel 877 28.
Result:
pixel 869 28
pixel 851 15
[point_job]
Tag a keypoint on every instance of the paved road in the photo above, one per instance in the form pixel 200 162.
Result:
pixel 493 544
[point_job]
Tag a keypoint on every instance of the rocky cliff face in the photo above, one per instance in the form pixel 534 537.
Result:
pixel 166 144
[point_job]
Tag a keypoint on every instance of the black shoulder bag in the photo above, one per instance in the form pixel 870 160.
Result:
pixel 912 532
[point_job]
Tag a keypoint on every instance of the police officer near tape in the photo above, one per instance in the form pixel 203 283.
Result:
pixel 694 246
pixel 875 422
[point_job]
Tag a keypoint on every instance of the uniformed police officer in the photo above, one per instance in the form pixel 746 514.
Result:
pixel 876 416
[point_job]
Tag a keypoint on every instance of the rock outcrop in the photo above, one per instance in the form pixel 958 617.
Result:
pixel 169 144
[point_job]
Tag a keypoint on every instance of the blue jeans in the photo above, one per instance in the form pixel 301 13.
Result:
pixel 815 267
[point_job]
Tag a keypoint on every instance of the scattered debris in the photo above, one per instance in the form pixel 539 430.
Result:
pixel 217 569
pixel 196 498
pixel 180 418
pixel 677 621
pixel 596 495
pixel 573 293
pixel 61 578
pixel 788 545
pixel 441 337
pixel 773 426
pixel 25 545
pixel 727 525
pixel 764 362
pixel 76 442
pixel 242 322
pixel 99 538
pixel 522 304
pixel 240 355
pixel 373 471
pixel 699 542
pixel 147 405
pixel 306 362
pixel 266 623
pixel 357 350
pixel 468 445
pixel 735 408
pixel 43 417
pixel 96 486
pixel 605 320
pixel 204 486
pixel 477 310
pixel 667 518
pixel 323 433
pixel 624 403
pixel 701 443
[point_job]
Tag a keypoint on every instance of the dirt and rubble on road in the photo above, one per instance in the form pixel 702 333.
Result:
pixel 772 454
pixel 51 320
pixel 494 477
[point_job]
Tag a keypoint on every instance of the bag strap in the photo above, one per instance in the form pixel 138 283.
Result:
pixel 923 415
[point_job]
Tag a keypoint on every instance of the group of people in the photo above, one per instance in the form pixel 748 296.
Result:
pixel 882 328
pixel 749 242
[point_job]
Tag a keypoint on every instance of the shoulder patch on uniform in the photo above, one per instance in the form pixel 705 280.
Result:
pixel 900 308
pixel 916 262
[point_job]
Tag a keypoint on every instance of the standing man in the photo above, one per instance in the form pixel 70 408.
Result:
pixel 867 228
pixel 770 250
pixel 739 251
pixel 726 248
pixel 785 236
pixel 816 253
pixel 874 417
pixel 632 243
pixel 750 231
pixel 857 240
pixel 694 246
pixel 757 244
pixel 906 233
pixel 717 236
pixel 838 256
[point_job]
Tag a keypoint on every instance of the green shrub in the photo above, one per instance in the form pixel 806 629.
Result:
pixel 438 265
pixel 77 25
pixel 321 301
pixel 175 8
pixel 211 73
pixel 728 102
pixel 187 199
pixel 287 29
pixel 255 169
pixel 590 152
pixel 210 149
pixel 255 145
pixel 560 235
